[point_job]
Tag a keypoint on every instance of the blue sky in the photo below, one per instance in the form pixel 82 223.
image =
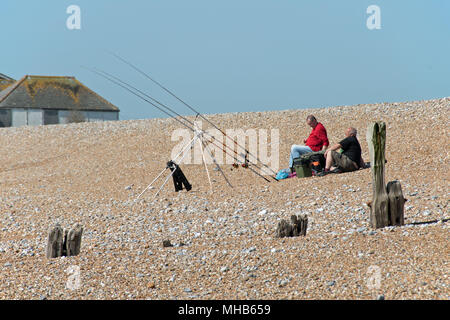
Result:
pixel 231 56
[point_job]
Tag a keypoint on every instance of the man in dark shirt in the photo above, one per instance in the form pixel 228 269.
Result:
pixel 350 159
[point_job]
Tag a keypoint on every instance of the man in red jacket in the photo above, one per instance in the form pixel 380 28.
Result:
pixel 316 141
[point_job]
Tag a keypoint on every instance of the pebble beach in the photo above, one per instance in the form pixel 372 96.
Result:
pixel 223 243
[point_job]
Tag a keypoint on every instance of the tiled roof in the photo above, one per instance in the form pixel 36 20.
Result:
pixel 62 93
pixel 5 84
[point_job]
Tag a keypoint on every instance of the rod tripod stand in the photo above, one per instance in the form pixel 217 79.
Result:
pixel 179 177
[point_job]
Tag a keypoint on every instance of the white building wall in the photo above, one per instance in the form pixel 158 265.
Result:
pixel 110 116
pixel 94 116
pixel 63 116
pixel 19 117
pixel 35 117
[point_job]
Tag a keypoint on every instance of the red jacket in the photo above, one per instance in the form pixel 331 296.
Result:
pixel 318 138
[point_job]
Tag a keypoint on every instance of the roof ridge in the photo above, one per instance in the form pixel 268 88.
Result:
pixel 11 88
pixel 51 77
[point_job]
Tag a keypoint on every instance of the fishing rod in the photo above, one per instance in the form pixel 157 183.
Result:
pixel 134 93
pixel 131 91
pixel 244 164
pixel 125 86
pixel 146 95
pixel 191 108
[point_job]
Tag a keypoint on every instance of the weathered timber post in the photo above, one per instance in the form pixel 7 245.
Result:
pixel 64 242
pixel 396 203
pixel 284 229
pixel 387 206
pixel 55 242
pixel 300 224
pixel 297 227
pixel 376 139
pixel 73 240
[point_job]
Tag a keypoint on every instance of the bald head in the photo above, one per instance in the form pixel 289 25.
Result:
pixel 351 132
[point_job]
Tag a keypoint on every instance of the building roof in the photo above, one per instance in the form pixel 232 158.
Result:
pixel 5 81
pixel 62 93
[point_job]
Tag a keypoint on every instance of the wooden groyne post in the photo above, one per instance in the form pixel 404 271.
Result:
pixel 387 205
pixel 64 242
pixel 296 228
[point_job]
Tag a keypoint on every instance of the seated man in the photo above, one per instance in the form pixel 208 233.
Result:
pixel 316 141
pixel 349 160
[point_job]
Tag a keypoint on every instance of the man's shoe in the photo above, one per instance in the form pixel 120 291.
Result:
pixel 336 170
pixel 323 173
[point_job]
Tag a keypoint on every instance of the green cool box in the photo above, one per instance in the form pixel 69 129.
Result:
pixel 303 171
